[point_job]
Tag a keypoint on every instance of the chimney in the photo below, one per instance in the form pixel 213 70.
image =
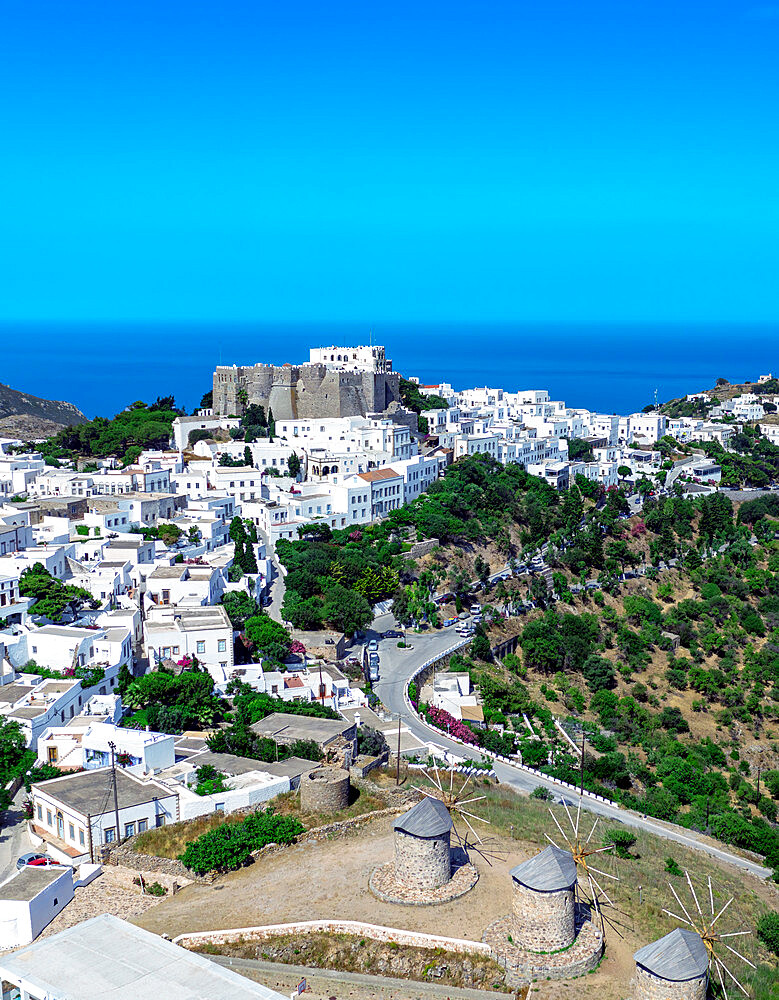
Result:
pixel 357 719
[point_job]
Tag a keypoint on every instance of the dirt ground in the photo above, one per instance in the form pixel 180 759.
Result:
pixel 329 879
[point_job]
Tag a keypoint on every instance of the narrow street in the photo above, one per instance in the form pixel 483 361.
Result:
pixel 13 836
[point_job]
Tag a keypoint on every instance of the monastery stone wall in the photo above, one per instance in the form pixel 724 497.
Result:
pixel 302 391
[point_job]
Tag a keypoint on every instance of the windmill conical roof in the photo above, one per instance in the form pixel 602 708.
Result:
pixel 679 956
pixel 428 818
pixel 549 870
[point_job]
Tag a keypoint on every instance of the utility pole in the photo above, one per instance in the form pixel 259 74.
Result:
pixel 397 762
pixel 581 788
pixel 112 747
pixel 89 831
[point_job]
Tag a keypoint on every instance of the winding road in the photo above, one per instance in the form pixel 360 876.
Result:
pixel 398 665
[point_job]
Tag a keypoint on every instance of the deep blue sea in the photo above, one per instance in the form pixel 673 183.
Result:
pixel 101 367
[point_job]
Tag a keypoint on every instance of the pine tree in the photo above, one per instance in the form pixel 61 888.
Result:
pixel 249 560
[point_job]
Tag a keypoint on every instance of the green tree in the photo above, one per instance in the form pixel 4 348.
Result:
pixel 599 673
pixel 268 637
pixel 768 931
pixel 623 471
pixel 293 465
pixel 14 757
pixel 240 606
pixel 345 610
pixel 482 569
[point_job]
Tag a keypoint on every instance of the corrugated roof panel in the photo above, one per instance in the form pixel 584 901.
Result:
pixel 548 871
pixel 428 818
pixel 677 957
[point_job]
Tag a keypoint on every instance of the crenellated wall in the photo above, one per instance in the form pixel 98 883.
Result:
pixel 302 391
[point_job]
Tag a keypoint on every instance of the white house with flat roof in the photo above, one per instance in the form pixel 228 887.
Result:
pixel 30 900
pixel 184 426
pixel 205 633
pixel 74 815
pixel 248 784
pixel 86 744
pixel 106 957
pixel 184 585
pixel 53 558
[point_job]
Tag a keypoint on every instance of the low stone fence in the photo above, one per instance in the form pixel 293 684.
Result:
pixel 130 878
pixel 333 830
pixel 363 765
pixel 151 865
pixel 411 939
pixel 419 549
pixel 123 856
pixel 14 785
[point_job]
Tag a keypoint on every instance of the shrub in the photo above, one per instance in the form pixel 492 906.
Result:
pixel 371 742
pixel 672 867
pixel 621 840
pixel 599 673
pixel 539 792
pixel 228 846
pixel 443 720
pixel 768 931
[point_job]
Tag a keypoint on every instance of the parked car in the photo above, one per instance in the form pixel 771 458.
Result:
pixel 373 646
pixel 475 609
pixel 35 861
pixel 392 633
pixel 450 621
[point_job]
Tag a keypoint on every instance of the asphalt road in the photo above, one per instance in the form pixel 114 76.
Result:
pixel 13 836
pixel 397 666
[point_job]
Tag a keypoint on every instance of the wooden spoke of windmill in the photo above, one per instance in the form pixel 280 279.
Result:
pixel 705 921
pixel 454 798
pixel 583 853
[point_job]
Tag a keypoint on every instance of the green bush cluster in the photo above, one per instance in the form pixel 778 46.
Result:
pixel 230 845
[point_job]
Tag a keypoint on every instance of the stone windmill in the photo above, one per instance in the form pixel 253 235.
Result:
pixel 707 943
pixel 422 872
pixel 454 799
pixel 675 966
pixel 543 901
pixel 585 854
pixel 547 935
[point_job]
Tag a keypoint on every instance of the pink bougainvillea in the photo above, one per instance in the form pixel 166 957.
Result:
pixel 443 720
pixel 638 529
pixel 185 661
pixel 355 536
pixel 297 647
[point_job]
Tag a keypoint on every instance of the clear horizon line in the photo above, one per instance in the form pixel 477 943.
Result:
pixel 372 324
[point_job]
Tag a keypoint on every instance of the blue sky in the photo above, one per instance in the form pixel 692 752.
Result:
pixel 389 161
